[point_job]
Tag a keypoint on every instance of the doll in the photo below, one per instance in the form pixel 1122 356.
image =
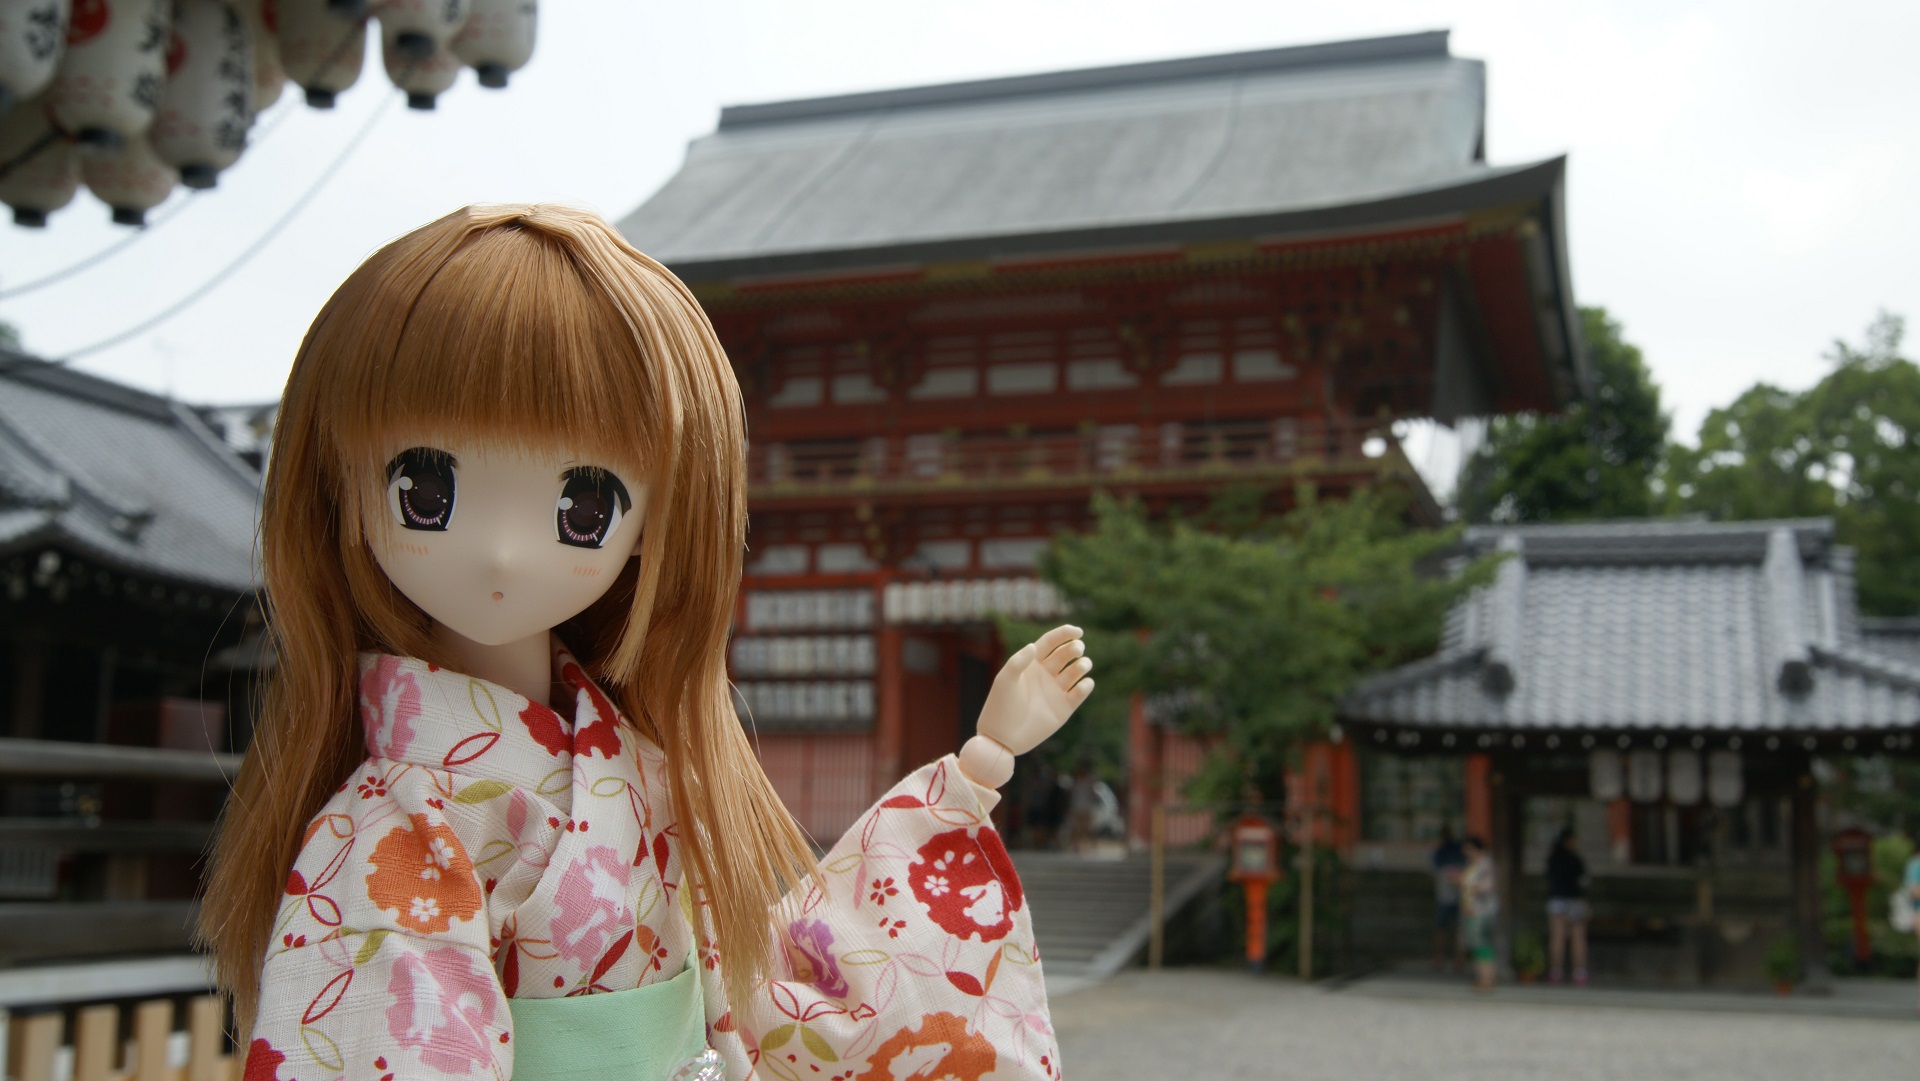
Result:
pixel 499 817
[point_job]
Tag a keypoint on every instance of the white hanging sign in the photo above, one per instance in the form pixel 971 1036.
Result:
pixel 1683 777
pixel 1726 779
pixel 1644 776
pixel 1603 775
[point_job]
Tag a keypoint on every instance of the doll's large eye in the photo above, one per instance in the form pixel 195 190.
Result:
pixel 592 502
pixel 420 488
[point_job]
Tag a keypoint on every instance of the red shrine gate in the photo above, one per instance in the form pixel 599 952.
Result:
pixel 925 412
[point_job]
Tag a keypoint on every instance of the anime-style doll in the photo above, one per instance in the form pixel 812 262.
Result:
pixel 500 818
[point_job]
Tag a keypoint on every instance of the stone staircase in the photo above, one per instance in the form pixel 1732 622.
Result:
pixel 1090 913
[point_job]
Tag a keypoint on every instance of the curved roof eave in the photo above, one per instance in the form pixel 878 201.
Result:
pixel 1539 183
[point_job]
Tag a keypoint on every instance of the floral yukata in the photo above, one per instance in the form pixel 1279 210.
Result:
pixel 490 848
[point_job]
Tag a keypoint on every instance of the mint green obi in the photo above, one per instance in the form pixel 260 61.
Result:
pixel 652 1033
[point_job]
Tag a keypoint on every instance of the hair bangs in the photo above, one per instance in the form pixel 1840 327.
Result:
pixel 509 339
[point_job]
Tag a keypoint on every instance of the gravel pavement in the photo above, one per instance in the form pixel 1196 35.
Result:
pixel 1215 1023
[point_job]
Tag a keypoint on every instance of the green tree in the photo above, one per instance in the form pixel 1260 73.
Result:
pixel 1247 626
pixel 1598 459
pixel 1849 447
pixel 9 335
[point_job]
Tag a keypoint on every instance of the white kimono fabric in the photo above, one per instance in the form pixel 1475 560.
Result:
pixel 490 848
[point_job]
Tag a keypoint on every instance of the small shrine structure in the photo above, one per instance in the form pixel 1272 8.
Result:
pixel 1663 688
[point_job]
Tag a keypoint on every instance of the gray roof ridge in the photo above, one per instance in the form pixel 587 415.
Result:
pixel 1429 44
pixel 1867 663
pixel 209 442
pixel 71 490
pixel 1439 664
pixel 1890 624
pixel 1641 527
pixel 63 379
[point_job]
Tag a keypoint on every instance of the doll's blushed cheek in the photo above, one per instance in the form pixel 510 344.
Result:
pixel 411 549
pixel 583 571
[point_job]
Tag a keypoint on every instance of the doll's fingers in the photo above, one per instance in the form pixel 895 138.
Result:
pixel 1074 672
pixel 1017 663
pixel 1063 658
pixel 1080 692
pixel 1055 638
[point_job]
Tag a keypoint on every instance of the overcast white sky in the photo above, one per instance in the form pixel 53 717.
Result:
pixel 1741 173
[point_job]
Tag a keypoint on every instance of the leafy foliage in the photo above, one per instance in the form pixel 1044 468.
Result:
pixel 1598 459
pixel 1247 626
pixel 1848 447
pixel 9 335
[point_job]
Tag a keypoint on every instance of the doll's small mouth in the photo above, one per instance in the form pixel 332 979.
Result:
pixel 499 596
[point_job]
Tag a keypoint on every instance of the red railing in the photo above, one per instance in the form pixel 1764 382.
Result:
pixel 1117 451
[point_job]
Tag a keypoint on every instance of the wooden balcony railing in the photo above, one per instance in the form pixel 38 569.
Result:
pixel 1114 452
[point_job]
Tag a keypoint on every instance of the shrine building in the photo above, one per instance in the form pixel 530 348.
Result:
pixel 957 311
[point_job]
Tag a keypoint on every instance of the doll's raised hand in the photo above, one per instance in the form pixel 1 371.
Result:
pixel 1034 694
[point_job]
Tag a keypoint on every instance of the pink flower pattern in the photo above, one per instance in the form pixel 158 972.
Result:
pixel 590 905
pixel 389 703
pixel 443 1005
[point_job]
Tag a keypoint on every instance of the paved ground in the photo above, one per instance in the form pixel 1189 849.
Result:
pixel 1218 1024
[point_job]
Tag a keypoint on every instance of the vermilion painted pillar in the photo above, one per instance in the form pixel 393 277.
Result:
pixel 1479 797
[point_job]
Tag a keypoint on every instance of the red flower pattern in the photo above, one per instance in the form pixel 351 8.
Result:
pixel 965 881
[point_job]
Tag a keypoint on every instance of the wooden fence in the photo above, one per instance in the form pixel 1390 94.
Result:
pixel 40 1049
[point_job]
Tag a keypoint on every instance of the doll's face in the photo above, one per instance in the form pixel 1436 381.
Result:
pixel 498 543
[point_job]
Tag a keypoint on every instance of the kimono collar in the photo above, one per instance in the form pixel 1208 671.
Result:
pixel 425 715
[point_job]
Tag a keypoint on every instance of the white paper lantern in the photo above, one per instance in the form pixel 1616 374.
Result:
pixel 1644 776
pixel 321 51
pixel 263 30
pixel 1683 777
pixel 1604 779
pixel 1726 780
pixel 131 180
pixel 497 39
pixel 423 78
pixel 33 34
pixel 107 86
pixel 43 182
pixel 206 106
pixel 416 29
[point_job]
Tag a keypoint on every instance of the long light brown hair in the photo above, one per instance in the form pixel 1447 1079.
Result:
pixel 516 324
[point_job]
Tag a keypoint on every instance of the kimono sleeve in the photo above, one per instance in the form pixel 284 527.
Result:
pixel 380 965
pixel 916 959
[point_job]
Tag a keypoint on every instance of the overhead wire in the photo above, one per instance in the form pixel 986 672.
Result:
pixel 167 213
pixel 252 250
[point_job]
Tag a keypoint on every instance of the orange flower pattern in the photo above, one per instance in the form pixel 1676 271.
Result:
pixel 491 847
pixel 422 873
pixel 939 1046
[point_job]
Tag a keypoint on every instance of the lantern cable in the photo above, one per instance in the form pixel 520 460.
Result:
pixel 168 213
pixel 253 249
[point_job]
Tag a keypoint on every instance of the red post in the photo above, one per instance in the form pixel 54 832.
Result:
pixel 1853 867
pixel 1256 890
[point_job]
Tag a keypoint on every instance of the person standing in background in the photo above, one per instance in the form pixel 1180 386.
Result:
pixel 1479 908
pixel 1910 883
pixel 1449 860
pixel 1567 909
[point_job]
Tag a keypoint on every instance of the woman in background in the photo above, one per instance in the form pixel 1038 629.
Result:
pixel 1567 909
pixel 1479 908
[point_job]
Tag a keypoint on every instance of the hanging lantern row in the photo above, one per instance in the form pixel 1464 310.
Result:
pixel 132 97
